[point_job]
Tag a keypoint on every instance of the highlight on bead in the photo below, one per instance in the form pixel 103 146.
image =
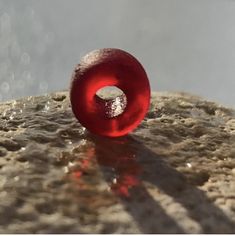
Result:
pixel 108 114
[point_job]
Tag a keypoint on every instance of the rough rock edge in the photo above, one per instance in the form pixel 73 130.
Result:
pixel 55 177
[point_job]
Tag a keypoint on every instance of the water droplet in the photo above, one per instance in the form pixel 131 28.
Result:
pixel 23 149
pixel 22 125
pixel 71 164
pixel 16 178
pixel 214 158
pixel 46 108
pixel 12 115
pixel 189 165
pixel 82 142
pixel 66 169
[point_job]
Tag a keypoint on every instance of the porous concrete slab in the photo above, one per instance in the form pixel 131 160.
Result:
pixel 174 174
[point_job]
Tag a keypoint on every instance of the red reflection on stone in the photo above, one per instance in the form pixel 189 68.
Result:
pixel 109 67
pixel 125 168
pixel 85 164
pixel 124 183
pixel 77 174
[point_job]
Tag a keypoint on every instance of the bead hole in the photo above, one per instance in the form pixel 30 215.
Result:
pixel 112 100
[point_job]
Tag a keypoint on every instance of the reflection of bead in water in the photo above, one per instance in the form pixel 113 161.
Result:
pixel 5 87
pixel 5 23
pixel 25 58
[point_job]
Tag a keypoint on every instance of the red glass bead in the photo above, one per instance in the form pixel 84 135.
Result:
pixel 109 67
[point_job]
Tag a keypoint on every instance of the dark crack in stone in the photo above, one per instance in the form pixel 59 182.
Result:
pixel 174 174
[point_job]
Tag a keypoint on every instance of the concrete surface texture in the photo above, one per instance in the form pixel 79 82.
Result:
pixel 174 174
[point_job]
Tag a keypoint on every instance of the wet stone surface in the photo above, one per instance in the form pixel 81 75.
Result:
pixel 175 173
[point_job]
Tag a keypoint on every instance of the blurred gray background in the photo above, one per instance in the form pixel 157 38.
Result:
pixel 184 45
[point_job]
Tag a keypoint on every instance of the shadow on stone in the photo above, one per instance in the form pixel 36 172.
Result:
pixel 128 166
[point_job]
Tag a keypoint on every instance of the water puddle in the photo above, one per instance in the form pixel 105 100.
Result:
pixel 115 158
